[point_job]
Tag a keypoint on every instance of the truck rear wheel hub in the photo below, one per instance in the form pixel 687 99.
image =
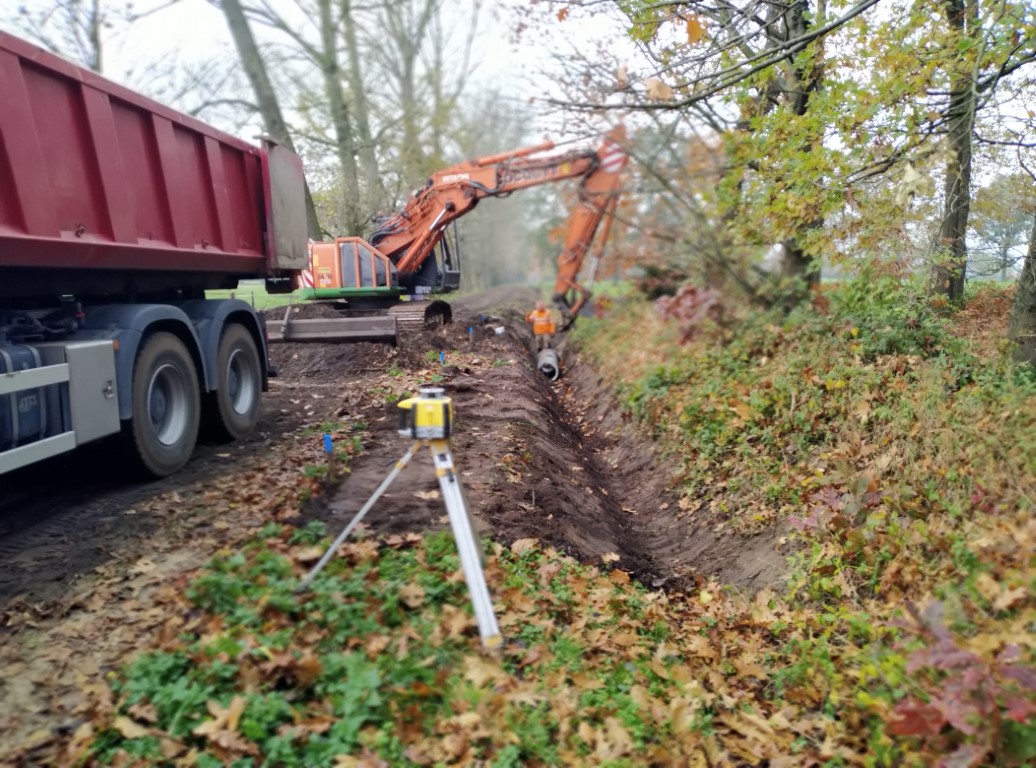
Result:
pixel 167 404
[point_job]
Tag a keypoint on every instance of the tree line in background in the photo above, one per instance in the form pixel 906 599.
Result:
pixel 836 132
pixel 773 138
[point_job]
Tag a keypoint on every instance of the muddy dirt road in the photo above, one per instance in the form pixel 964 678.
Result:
pixel 80 549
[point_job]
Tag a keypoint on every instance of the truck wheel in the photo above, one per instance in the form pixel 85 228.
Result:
pixel 166 405
pixel 236 401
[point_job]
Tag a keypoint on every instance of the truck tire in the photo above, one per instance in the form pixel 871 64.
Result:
pixel 166 405
pixel 234 406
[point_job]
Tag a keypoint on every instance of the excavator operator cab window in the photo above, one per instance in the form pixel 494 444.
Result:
pixel 348 254
pixel 363 268
pixel 449 253
pixel 367 268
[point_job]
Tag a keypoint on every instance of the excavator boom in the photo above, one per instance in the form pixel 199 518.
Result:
pixel 409 237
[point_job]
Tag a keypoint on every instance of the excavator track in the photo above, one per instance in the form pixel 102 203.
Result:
pixel 414 316
pixel 409 316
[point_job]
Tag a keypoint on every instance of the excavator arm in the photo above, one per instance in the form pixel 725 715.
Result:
pixel 409 237
pixel 598 198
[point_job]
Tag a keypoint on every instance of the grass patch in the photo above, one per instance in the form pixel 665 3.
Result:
pixel 254 292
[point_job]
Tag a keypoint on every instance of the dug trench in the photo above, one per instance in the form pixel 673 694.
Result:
pixel 554 461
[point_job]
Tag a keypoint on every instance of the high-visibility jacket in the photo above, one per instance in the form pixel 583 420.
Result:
pixel 542 321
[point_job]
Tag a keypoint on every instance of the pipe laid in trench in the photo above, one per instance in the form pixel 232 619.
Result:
pixel 548 364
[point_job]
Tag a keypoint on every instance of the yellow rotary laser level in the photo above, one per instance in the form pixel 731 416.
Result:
pixel 429 416
pixel 428 419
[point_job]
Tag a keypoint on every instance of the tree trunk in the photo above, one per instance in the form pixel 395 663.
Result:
pixel 265 96
pixel 94 24
pixel 1022 328
pixel 374 189
pixel 340 119
pixel 952 266
pixel 406 29
pixel 798 268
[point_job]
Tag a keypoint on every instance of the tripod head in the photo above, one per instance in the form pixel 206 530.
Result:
pixel 428 416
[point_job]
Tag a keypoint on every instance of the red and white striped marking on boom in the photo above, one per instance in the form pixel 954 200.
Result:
pixel 305 278
pixel 613 157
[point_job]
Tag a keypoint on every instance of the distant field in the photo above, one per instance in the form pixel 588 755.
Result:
pixel 254 292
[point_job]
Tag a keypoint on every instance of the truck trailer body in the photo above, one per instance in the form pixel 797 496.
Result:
pixel 116 215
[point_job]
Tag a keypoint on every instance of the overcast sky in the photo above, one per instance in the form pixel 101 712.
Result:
pixel 195 31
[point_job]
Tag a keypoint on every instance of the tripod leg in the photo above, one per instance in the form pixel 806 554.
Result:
pixel 467 544
pixel 359 516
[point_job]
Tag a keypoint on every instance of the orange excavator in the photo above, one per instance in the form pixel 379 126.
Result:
pixel 413 255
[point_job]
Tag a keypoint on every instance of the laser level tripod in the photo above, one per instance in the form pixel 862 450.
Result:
pixel 428 419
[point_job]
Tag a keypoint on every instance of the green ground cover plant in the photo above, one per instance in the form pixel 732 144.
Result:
pixel 895 446
pixel 891 448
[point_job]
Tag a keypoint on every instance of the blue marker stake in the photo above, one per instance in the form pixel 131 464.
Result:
pixel 442 358
pixel 330 455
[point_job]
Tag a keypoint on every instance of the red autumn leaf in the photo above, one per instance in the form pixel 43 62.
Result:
pixel 965 756
pixel 1024 675
pixel 945 655
pixel 828 498
pixel 963 714
pixel 1019 709
pixel 916 719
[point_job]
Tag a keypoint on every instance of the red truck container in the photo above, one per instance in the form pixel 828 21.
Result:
pixel 116 215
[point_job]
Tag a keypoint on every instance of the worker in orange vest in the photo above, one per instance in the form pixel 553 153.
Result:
pixel 542 325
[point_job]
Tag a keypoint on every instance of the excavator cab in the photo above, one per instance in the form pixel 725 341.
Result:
pixel 351 263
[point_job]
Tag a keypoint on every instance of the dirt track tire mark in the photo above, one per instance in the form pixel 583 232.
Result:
pixel 61 518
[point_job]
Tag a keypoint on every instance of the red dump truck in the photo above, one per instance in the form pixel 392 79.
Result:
pixel 116 215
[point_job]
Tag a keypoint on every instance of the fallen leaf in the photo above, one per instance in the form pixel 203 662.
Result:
pixel 412 595
pixel 619 577
pixel 610 557
pixel 524 545
pixel 145 712
pixel 480 671
pixel 129 729
pixel 308 669
pixel 1008 598
pixel 306 555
